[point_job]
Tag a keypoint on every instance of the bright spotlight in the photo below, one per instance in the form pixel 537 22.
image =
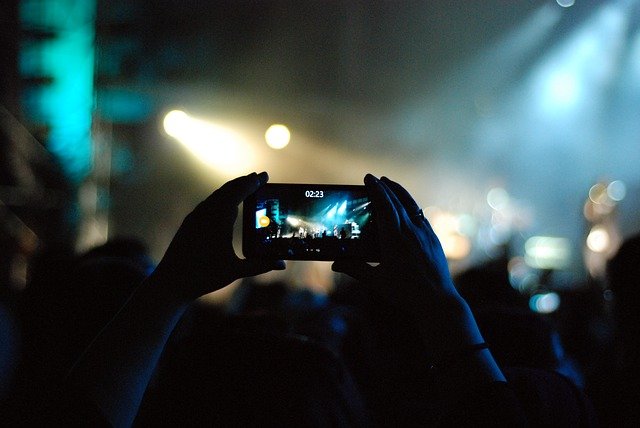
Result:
pixel 277 136
pixel 174 122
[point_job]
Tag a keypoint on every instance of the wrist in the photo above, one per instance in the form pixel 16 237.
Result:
pixel 449 326
pixel 165 290
pixel 473 364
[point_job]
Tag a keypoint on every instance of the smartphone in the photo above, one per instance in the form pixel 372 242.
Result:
pixel 309 222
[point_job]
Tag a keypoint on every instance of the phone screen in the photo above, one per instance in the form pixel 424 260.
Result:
pixel 309 222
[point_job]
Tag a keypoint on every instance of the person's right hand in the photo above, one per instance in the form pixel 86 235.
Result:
pixel 413 272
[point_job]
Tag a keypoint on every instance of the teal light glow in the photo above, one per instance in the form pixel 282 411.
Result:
pixel 64 104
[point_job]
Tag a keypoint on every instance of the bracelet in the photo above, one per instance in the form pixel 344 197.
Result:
pixel 457 354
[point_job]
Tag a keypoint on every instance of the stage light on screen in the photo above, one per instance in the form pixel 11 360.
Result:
pixel 217 146
pixel 295 222
pixel 343 208
pixel 332 212
pixel 277 136
pixel 260 214
pixel 264 221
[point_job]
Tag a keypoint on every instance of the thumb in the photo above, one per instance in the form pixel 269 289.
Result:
pixel 357 269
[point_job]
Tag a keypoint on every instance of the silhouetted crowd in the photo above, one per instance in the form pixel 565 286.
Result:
pixel 108 338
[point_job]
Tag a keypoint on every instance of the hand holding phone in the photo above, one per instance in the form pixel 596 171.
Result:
pixel 200 258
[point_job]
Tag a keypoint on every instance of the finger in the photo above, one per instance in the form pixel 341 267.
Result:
pixel 359 270
pixel 401 212
pixel 238 189
pixel 386 216
pixel 410 205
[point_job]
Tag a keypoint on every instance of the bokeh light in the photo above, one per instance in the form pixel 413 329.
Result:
pixel 498 198
pixel 598 239
pixel 566 3
pixel 277 136
pixel 544 303
pixel 547 252
pixel 617 190
pixel 264 221
pixel 598 193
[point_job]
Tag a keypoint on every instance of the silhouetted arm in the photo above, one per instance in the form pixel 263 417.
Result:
pixel 413 275
pixel 114 371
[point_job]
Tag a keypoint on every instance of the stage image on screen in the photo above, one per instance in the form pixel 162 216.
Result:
pixel 314 222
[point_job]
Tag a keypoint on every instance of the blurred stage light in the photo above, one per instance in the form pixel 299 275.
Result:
pixel 563 89
pixel 598 239
pixel 498 198
pixel 617 190
pixel 455 246
pixel 598 193
pixel 544 303
pixel 217 146
pixel 575 75
pixel 447 226
pixel 277 136
pixel 65 58
pixel 521 275
pixel 566 3
pixel 546 252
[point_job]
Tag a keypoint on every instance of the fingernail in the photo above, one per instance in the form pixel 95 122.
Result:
pixel 369 178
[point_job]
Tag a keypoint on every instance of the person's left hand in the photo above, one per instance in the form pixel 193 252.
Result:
pixel 201 258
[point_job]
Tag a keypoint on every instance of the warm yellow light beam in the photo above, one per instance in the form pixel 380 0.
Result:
pixel 217 146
